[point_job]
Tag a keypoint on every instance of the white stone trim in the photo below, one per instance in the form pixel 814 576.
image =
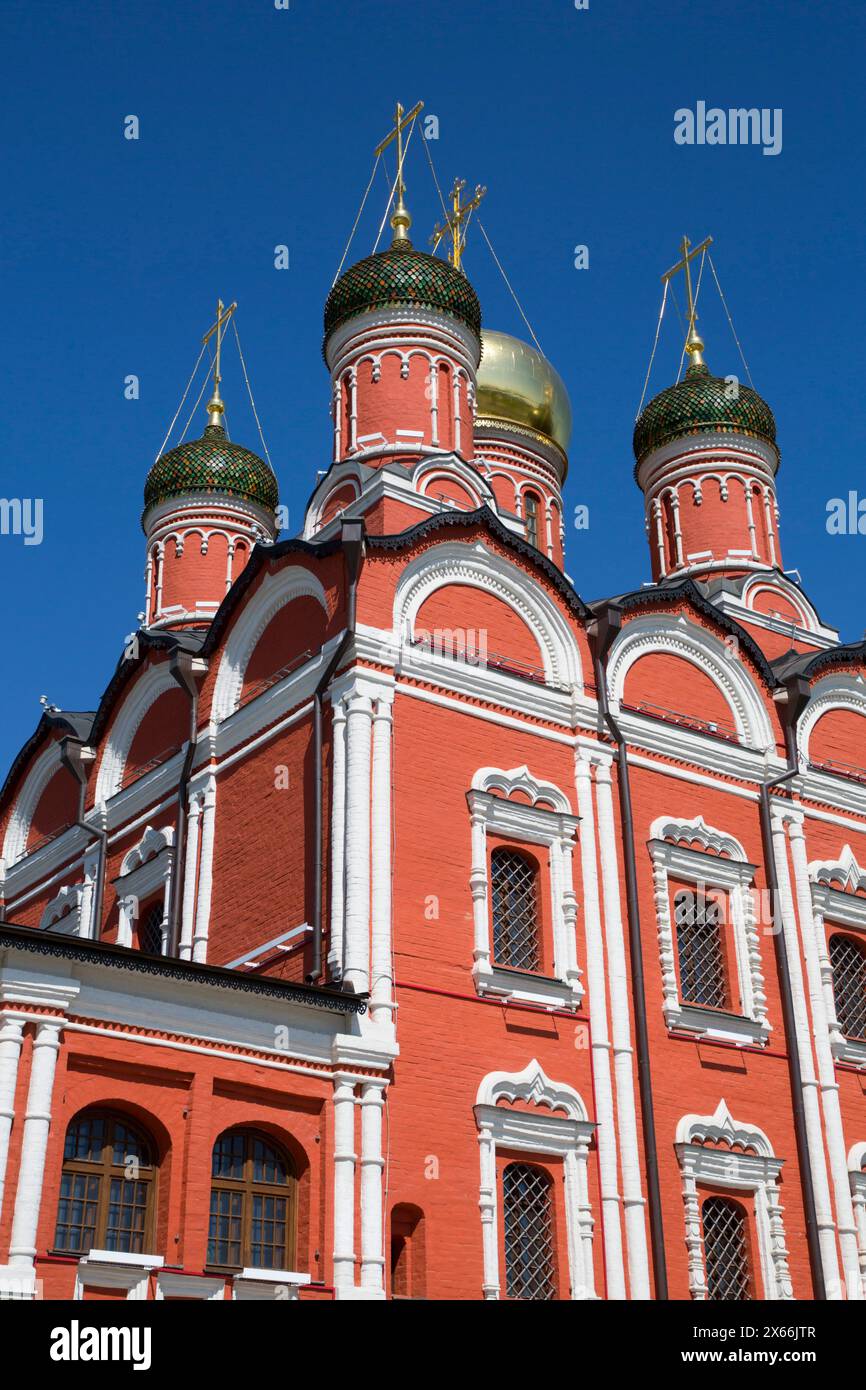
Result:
pixel 677 636
pixel 835 901
pixel 11 1037
pixel 63 913
pixel 151 684
pixel 836 691
pixel 566 1136
pixel 108 1269
pixel 857 1180
pixel 174 1284
pixel 263 1284
pixel 735 878
pixel 277 589
pixel 737 1168
pixel 521 824
pixel 37 779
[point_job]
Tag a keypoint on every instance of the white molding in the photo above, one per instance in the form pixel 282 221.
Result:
pixel 108 1269
pixel 155 681
pixel 37 779
pixel 566 1136
pixel 174 1284
pixel 836 691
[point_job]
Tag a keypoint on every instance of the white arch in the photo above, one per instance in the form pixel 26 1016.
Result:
pixel 679 637
pixel 520 779
pixel 454 562
pixel 276 590
pixel 836 691
pixel 722 1127
pixel 37 779
pixel 532 1086
pixel 155 681
pixel 688 831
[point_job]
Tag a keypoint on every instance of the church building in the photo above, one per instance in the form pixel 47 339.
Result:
pixel 401 924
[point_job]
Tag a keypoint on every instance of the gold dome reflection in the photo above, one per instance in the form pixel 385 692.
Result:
pixel 516 384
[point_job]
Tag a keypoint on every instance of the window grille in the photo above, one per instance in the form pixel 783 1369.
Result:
pixel 528 1211
pixel 848 959
pixel 726 1251
pixel 515 910
pixel 150 931
pixel 699 945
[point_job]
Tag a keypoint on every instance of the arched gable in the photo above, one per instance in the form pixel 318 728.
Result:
pixel 154 682
pixel 832 727
pixel 680 637
pixel 41 774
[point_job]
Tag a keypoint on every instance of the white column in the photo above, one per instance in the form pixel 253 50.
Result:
pixel 826 1067
pixel 381 984
pixel 607 1159
pixel 11 1029
pixel 579 1222
pixel 478 887
pixel 338 838
pixel 457 420
pixel 127 914
pixel 434 405
pixel 660 538
pixel 750 519
pixel 487 1205
pixel 623 1061
pixel 205 877
pixel 160 566
pixel 34 1142
pixel 344 1181
pixel 372 1167
pixel 770 530
pixel 190 867
pixel 357 941
pixel 569 913
pixel 338 419
pixel 678 535
pixel 802 1041
pixel 87 927
pixel 353 409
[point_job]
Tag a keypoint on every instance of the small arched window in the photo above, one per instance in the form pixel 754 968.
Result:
pixel 703 978
pixel 530 512
pixel 150 930
pixel 407 1252
pixel 107 1187
pixel 726 1250
pixel 848 959
pixel 515 910
pixel 527 1203
pixel 253 1205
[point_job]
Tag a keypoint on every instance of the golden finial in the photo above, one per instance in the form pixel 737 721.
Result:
pixel 401 219
pixel 694 342
pixel 454 224
pixel 215 407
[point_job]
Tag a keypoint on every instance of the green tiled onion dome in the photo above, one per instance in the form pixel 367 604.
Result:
pixel 702 404
pixel 211 464
pixel 402 275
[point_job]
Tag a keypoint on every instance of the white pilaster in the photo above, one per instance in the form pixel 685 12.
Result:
pixel 372 1168
pixel 338 838
pixel 34 1143
pixel 606 1132
pixel 358 755
pixel 201 926
pixel 623 1060
pixel 11 1029
pixel 487 1206
pixel 381 984
pixel 190 869
pixel 344 1181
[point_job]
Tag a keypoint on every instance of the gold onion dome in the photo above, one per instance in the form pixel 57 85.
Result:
pixel 702 404
pixel 518 386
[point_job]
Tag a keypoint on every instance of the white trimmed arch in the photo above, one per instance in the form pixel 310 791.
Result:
pixel 836 691
pixel 155 681
pixel 684 639
pixel 520 779
pixel 533 1087
pixel 37 779
pixel 456 563
pixel 276 590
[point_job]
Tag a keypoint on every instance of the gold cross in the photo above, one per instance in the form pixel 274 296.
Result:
pixel 454 223
pixel 694 346
pixel 215 404
pixel 400 221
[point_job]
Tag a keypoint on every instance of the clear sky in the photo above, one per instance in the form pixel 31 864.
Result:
pixel 257 126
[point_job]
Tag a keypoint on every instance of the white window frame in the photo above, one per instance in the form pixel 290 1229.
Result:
pixel 670 846
pixel 146 868
pixel 835 904
pixel 520 825
pixel 857 1179
pixel 566 1136
pixel 746 1165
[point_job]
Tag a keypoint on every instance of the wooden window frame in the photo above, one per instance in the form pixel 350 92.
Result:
pixel 105 1171
pixel 249 1188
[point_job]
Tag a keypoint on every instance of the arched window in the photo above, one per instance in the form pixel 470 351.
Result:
pixel 848 959
pixel 253 1203
pixel 107 1187
pixel 703 978
pixel 150 931
pixel 515 910
pixel 407 1252
pixel 530 1267
pixel 530 512
pixel 726 1250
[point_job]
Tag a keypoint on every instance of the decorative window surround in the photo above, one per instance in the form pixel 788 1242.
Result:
pixel 109 1269
pixel 554 830
pixel 143 871
pixel 836 885
pixel 734 877
pixel 63 913
pixel 746 1165
pixel 567 1136
pixel 857 1179
pixel 175 1285
pixel 268 1284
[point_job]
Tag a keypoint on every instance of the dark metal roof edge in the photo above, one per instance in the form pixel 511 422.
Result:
pixel 122 958
pixel 77 723
pixel 850 654
pixel 687 590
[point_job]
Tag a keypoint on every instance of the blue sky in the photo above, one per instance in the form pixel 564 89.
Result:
pixel 257 127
